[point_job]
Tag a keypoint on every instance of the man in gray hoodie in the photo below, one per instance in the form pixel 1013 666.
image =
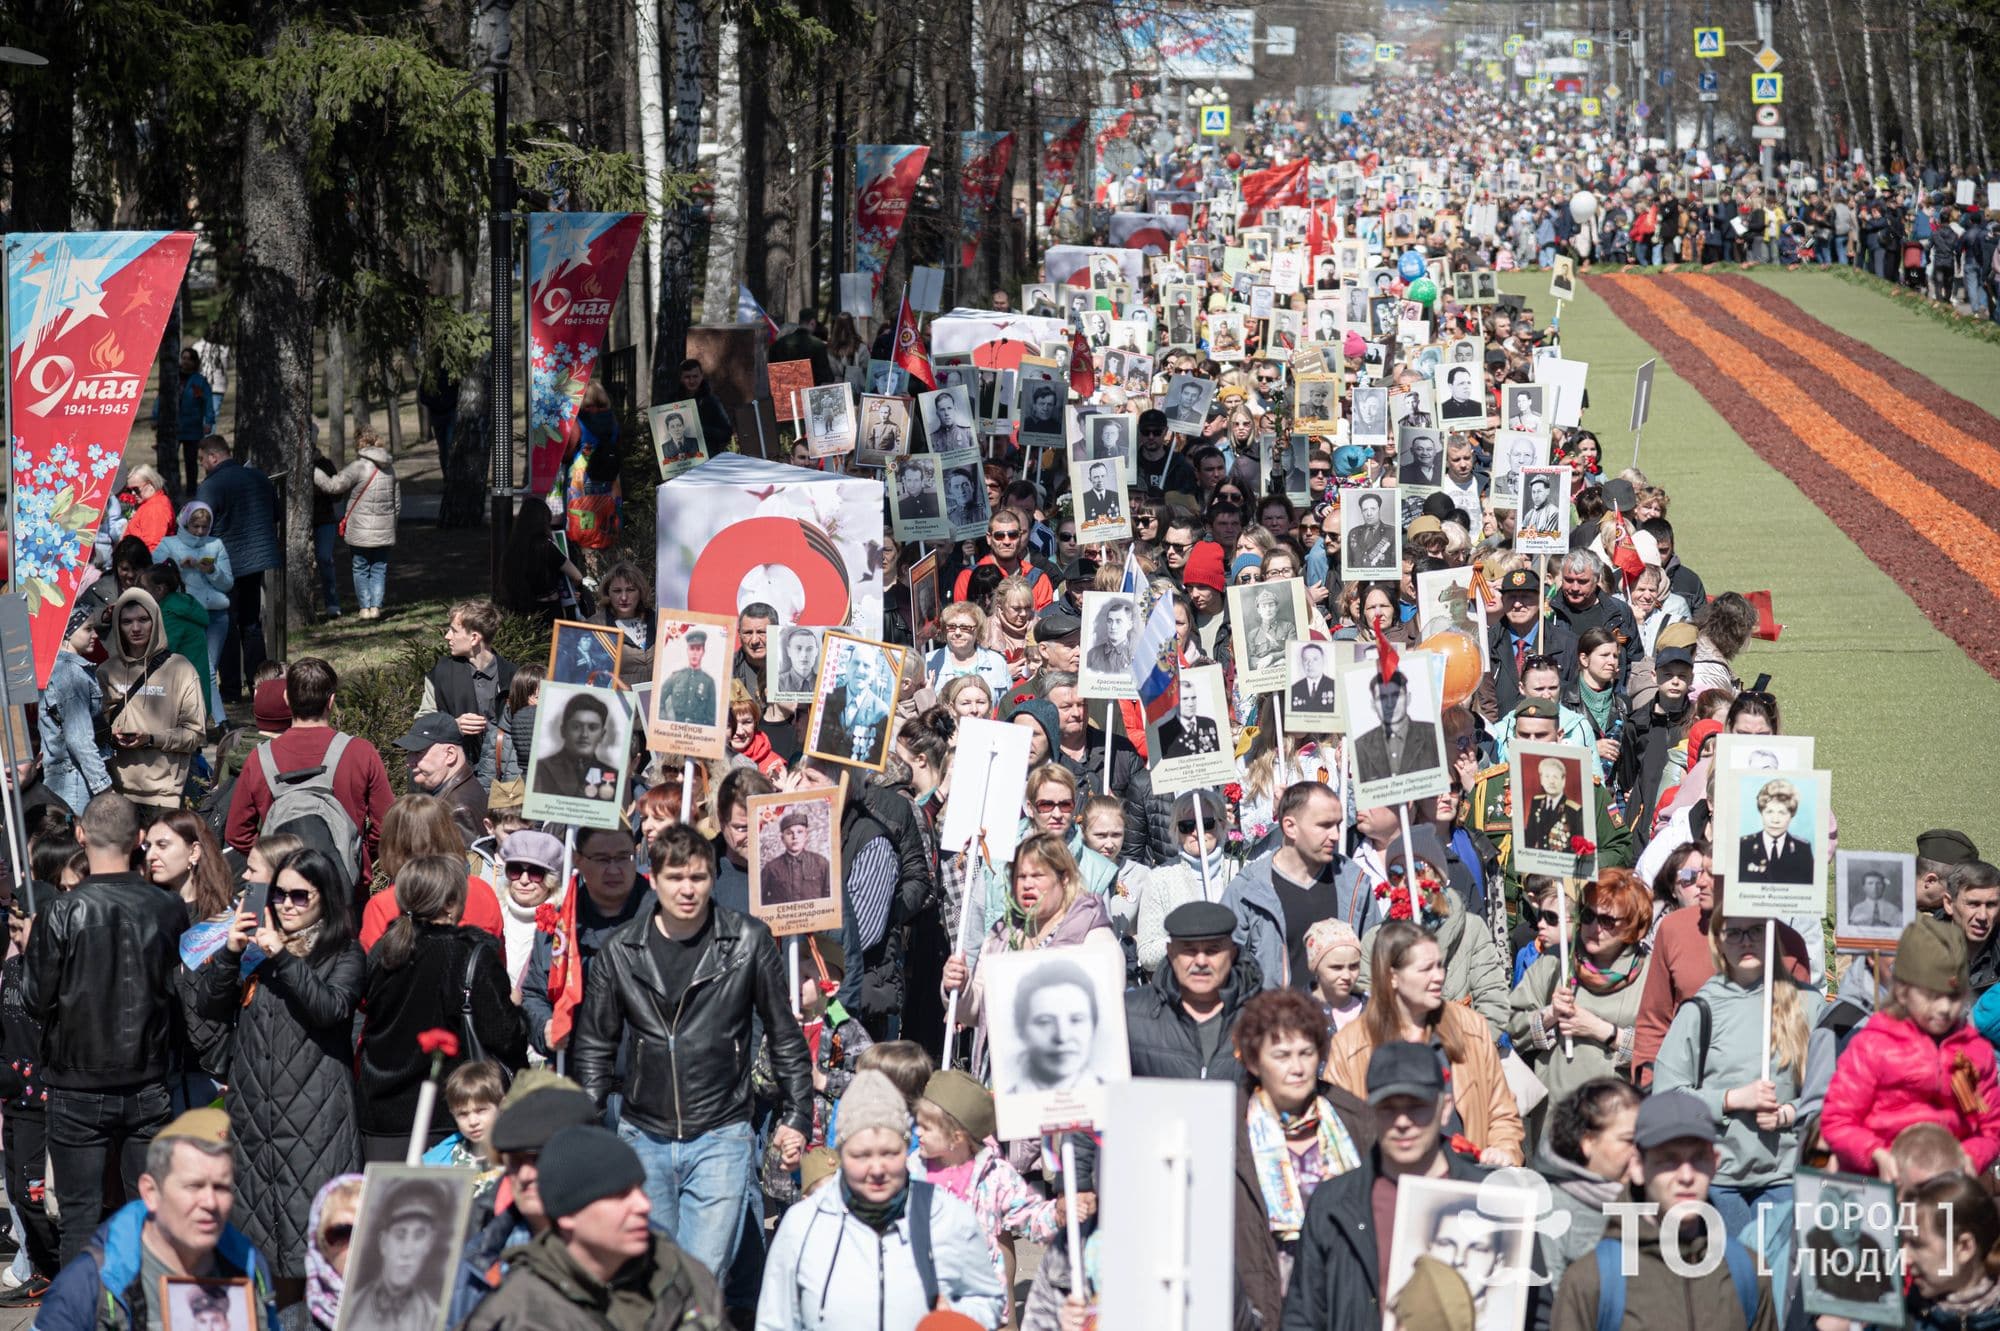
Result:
pixel 1280 895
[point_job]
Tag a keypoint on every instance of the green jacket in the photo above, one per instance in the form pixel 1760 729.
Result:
pixel 545 1289
pixel 187 635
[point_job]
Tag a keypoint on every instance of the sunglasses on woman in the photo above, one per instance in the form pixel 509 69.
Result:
pixel 534 871
pixel 1590 917
pixel 1054 806
pixel 297 898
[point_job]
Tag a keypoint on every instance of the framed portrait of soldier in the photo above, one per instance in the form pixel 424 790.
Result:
pixel 1098 488
pixel 1445 601
pixel 1541 525
pixel 1562 278
pixel 580 753
pixel 1395 745
pixel 581 653
pixel 1414 408
pixel 1316 408
pixel 1285 466
pixel 1056 1028
pixel 924 600
pixel 1524 407
pixel 1554 805
pixel 1313 702
pixel 1461 397
pixel 1846 1243
pixel 830 429
pixel 1483 1231
pixel 1371 542
pixel 965 505
pixel 1110 636
pixel 1265 618
pixel 1193 745
pixel 1105 434
pixel 197 1303
pixel 407 1239
pixel 1513 453
pixel 948 423
pixel 795 860
pixel 1465 289
pixel 885 429
pixel 1323 319
pixel 691 664
pixel 1225 335
pixel 1770 840
pixel 1188 397
pixel 916 498
pixel 1875 896
pixel 1042 396
pixel 1352 255
pixel 1369 423
pixel 995 408
pixel 1419 458
pixel 791 664
pixel 677 439
pixel 854 703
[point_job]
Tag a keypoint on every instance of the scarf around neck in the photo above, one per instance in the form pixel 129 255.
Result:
pixel 1214 858
pixel 1277 1168
pixel 1602 982
pixel 878 1216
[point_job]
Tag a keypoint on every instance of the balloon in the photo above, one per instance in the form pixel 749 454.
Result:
pixel 1411 265
pixel 1461 663
pixel 1424 291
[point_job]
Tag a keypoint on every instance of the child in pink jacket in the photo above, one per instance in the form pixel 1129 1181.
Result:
pixel 1916 1060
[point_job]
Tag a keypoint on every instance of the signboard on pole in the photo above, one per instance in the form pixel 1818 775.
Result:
pixel 1642 395
pixel 1767 89
pixel 1708 44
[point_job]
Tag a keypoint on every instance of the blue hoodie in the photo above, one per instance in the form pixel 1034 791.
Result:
pixel 100 1288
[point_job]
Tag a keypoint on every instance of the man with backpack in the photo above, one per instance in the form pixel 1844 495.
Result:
pixel 1630 1282
pixel 313 780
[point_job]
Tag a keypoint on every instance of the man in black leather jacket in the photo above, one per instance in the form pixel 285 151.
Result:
pixel 99 977
pixel 670 1000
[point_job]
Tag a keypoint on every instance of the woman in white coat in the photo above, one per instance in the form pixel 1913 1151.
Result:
pixel 205 574
pixel 844 1259
pixel 375 500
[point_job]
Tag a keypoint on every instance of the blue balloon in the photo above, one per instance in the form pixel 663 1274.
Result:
pixel 1346 118
pixel 1411 265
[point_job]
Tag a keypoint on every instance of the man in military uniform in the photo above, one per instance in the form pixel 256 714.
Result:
pixel 408 1231
pixel 688 696
pixel 1372 542
pixel 915 497
pixel 798 874
pixel 1539 721
pixel 951 435
pixel 1100 504
pixel 883 436
pixel 1554 820
pixel 1266 638
pixel 1316 690
pixel 1186 733
pixel 1111 654
pixel 577 770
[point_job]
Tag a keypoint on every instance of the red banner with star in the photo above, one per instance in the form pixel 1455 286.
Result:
pixel 85 314
pixel 576 268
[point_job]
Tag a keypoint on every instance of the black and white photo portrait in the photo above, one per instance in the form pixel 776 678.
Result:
pixel 1193 743
pixel 1188 396
pixel 1543 525
pixel 947 416
pixel 1392 727
pixel 1846 1241
pixel 217 1304
pixel 1877 894
pixel 1098 491
pixel 829 420
pixel 1523 408
pixel 1110 636
pixel 1105 435
pixel 1513 453
pixel 677 437
pixel 1371 415
pixel 885 428
pixel 1056 1027
pixel 916 508
pixel 1042 400
pixel 1419 457
pixel 1461 404
pixel 1371 544
pixel 792 664
pixel 965 500
pixel 1312 693
pixel 404 1253
pixel 1264 622
pixel 1318 409
pixel 583 745
pixel 1484 1231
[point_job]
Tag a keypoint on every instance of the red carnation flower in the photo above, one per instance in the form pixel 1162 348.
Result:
pixel 547 918
pixel 1464 1145
pixel 1233 793
pixel 1582 846
pixel 438 1041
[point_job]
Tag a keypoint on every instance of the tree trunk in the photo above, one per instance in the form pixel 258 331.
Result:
pixel 274 375
pixel 166 427
pixel 678 231
pixel 1851 130
pixel 726 214
pixel 336 395
pixel 42 101
pixel 1979 145
pixel 467 482
pixel 1913 126
pixel 1876 164
pixel 1945 119
pixel 1822 123
pixel 394 408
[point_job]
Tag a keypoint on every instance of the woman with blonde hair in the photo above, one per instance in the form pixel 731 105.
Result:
pixel 414 826
pixel 369 528
pixel 1013 618
pixel 1715 1048
pixel 968 696
pixel 964 628
pixel 153 517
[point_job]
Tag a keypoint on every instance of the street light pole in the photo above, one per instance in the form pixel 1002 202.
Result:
pixel 500 373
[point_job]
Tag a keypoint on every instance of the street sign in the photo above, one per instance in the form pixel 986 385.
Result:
pixel 1215 121
pixel 1280 41
pixel 1666 78
pixel 1641 111
pixel 1590 108
pixel 1767 89
pixel 1709 81
pixel 1511 46
pixel 1583 48
pixel 1767 115
pixel 1708 44
pixel 1767 60
pixel 1776 132
pixel 1612 92
pixel 1708 97
pixel 1384 52
pixel 1642 395
pixel 1493 74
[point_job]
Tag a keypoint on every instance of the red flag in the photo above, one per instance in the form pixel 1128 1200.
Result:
pixel 1273 187
pixel 565 963
pixel 1768 628
pixel 1082 366
pixel 1386 659
pixel 910 351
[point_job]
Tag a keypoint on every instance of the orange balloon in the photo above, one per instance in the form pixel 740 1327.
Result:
pixel 1461 663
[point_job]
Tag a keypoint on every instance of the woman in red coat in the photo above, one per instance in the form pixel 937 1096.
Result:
pixel 153 519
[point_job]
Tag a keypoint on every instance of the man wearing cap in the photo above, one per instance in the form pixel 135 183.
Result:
pixel 1344 1244
pixel 1512 642
pixel 1278 896
pixel 179 1226
pixel 598 1261
pixel 1179 1025
pixel 439 767
pixel 402 1288
pixel 688 695
pixel 1676 1139
pixel 1058 640
pixel 798 874
pixel 1938 852
pixel 1655 729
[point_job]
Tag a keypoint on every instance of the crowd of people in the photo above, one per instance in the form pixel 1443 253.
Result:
pixel 229 1005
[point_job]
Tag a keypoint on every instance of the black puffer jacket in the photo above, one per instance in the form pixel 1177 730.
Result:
pixel 100 977
pixel 426 993
pixel 687 1062
pixel 1149 818
pixel 1162 1036
pixel 291 1101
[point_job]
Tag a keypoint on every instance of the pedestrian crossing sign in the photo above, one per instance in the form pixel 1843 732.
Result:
pixel 1590 108
pixel 1511 46
pixel 1384 52
pixel 1215 121
pixel 1583 48
pixel 1708 43
pixel 1767 89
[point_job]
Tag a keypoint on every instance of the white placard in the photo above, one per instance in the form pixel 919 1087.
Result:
pixel 926 289
pixel 990 756
pixel 1167 1183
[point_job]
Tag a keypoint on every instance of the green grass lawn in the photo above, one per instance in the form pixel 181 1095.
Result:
pixel 1900 714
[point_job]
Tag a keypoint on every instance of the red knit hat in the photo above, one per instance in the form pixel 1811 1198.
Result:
pixel 1204 566
pixel 1698 734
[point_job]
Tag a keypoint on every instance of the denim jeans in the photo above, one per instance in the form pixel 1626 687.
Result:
pixel 329 584
pixel 218 634
pixel 371 575
pixel 697 1187
pixel 86 1129
pixel 1739 1208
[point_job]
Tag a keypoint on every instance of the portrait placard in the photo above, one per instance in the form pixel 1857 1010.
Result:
pixel 1110 632
pixel 1764 753
pixel 791 665
pixel 1513 453
pixel 1876 895
pixel 948 423
pixel 1461 397
pixel 1554 807
pixel 407 1238
pixel 885 429
pixel 1771 841
pixel 1847 1239
pixel 581 653
pixel 678 442
pixel 582 749
pixel 854 702
pixel 1102 513
pixel 1542 524
pixel 1395 745
pixel 691 659
pixel 1056 1026
pixel 1370 422
pixel 1105 434
pixel 1193 745
pixel 1316 404
pixel 1524 407
pixel 916 499
pixel 966 509
pixel 1162 1275
pixel 1371 541
pixel 1485 1231
pixel 790 380
pixel 1445 601
pixel 206 1303
pixel 1188 399
pixel 795 860
pixel 989 780
pixel 1265 618
pixel 1042 392
pixel 830 428
pixel 1419 459
pixel 924 600
pixel 995 405
pixel 1225 335
pixel 1562 278
pixel 1286 459
pixel 1312 694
